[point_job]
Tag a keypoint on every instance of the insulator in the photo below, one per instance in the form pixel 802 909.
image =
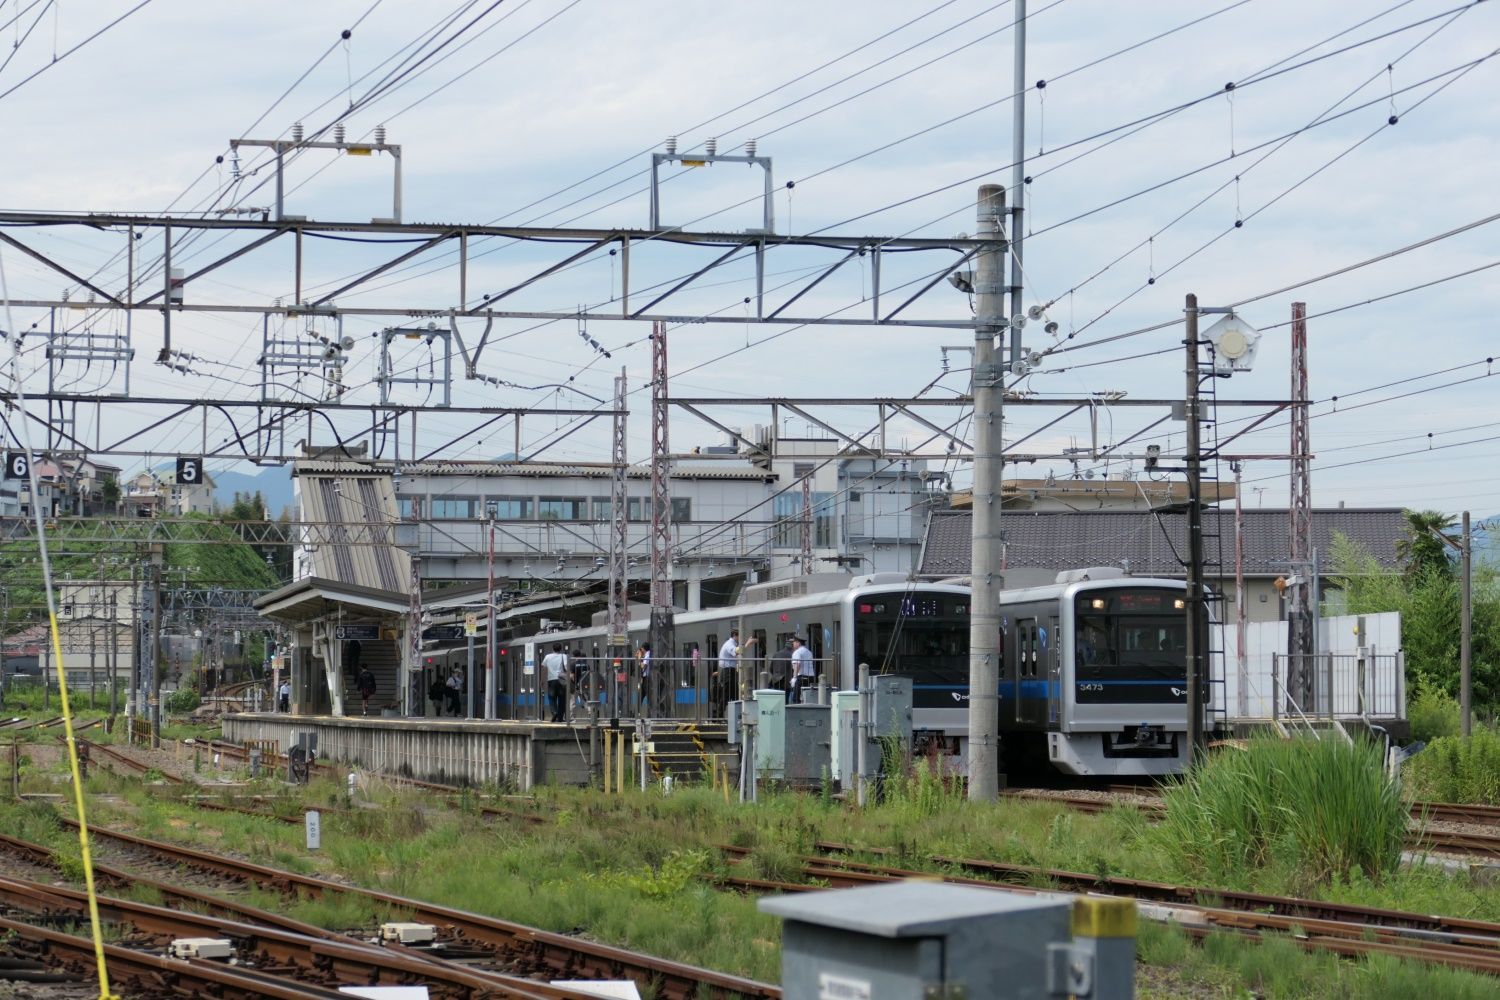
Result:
pixel 338 132
pixel 671 145
pixel 711 147
pixel 749 147
pixel 297 132
pixel 380 135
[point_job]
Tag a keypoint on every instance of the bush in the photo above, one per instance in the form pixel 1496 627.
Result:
pixel 182 701
pixel 1433 714
pixel 1458 769
pixel 1324 809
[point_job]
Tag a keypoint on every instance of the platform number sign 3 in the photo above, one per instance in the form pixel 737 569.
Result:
pixel 17 465
pixel 189 470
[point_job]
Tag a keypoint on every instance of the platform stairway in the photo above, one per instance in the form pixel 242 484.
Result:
pixel 688 751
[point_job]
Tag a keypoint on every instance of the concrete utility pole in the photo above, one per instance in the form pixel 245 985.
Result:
pixel 1018 180
pixel 1193 460
pixel 1465 651
pixel 984 610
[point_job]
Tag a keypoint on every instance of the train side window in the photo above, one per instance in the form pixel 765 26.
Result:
pixel 758 652
pixel 815 640
pixel 711 651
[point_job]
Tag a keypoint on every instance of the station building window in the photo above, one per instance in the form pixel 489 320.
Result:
pixel 453 508
pixel 562 508
pixel 512 508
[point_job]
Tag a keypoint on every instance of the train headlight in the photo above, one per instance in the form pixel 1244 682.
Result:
pixel 1097 604
pixel 1179 604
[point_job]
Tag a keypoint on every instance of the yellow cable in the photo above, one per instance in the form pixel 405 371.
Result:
pixel 83 824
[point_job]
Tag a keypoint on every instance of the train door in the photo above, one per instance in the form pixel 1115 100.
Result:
pixel 1053 657
pixel 1026 663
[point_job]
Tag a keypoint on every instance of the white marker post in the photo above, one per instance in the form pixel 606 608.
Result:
pixel 314 830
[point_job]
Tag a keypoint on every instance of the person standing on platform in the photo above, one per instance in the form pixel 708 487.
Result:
pixel 726 678
pixel 644 659
pixel 556 664
pixel 804 671
pixel 578 681
pixel 455 692
pixel 365 683
pixel 284 697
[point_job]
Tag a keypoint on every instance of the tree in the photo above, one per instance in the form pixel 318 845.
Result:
pixel 1428 601
pixel 1422 551
pixel 109 492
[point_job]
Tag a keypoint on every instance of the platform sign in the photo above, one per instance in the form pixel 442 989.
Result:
pixel 17 465
pixel 471 624
pixel 529 668
pixel 361 632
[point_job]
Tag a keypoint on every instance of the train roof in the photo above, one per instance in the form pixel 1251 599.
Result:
pixel 860 587
pixel 1056 591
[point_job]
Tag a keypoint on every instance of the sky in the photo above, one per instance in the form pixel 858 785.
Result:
pixel 1354 130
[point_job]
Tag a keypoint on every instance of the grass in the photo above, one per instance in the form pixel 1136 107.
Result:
pixel 637 870
pixel 1324 809
pixel 1458 768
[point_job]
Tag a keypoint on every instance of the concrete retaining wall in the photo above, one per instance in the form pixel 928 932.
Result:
pixel 452 752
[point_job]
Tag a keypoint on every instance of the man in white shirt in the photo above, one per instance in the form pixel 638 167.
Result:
pixel 804 671
pixel 556 664
pixel 726 678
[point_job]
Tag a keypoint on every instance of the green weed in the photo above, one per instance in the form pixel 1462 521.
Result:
pixel 1321 808
pixel 1458 768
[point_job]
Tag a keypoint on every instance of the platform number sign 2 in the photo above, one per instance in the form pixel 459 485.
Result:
pixel 189 470
pixel 17 465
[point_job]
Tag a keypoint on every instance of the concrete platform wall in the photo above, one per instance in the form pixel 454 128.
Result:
pixel 522 755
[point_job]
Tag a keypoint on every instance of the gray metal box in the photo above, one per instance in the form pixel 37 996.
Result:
pixel 808 744
pixel 733 714
pixel 890 719
pixel 907 940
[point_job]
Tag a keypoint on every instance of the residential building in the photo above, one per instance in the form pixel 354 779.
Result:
pixel 71 487
pixel 151 494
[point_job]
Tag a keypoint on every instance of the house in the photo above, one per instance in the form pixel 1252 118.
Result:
pixel 70 487
pixel 150 494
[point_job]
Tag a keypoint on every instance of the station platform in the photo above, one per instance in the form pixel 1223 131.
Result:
pixel 516 754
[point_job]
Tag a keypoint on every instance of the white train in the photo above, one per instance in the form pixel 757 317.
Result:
pixel 1091 680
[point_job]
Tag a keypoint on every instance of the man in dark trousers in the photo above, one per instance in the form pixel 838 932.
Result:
pixel 556 664
pixel 365 683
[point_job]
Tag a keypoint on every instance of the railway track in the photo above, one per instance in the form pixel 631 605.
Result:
pixel 309 960
pixel 143 973
pixel 558 956
pixel 1339 928
pixel 1482 846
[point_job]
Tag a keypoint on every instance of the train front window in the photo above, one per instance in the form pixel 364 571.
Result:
pixel 919 635
pixel 1130 645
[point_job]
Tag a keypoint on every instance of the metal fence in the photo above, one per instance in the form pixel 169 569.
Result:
pixel 1339 685
pixel 687 688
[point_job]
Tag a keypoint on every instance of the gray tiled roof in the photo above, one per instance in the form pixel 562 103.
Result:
pixel 1074 539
